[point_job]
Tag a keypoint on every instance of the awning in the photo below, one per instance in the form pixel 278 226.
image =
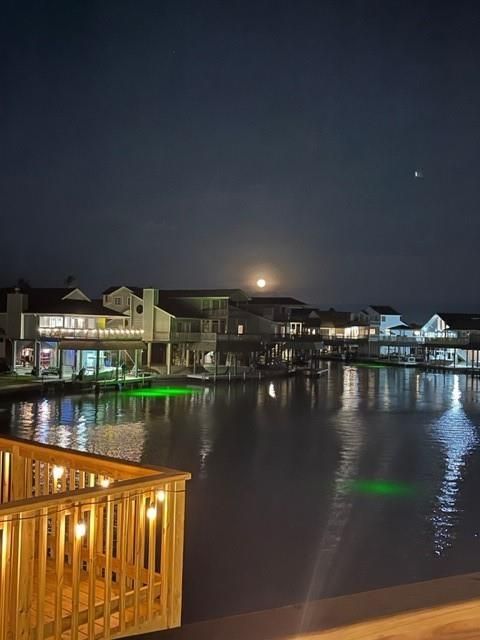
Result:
pixel 102 345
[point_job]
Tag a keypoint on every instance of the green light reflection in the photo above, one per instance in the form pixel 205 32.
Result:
pixel 380 487
pixel 160 392
pixel 370 365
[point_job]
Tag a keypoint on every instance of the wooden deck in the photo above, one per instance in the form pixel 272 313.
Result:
pixel 90 547
pixel 99 588
pixel 444 609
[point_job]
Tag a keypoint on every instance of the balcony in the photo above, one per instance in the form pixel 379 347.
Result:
pixel 184 336
pixel 61 333
pixel 100 539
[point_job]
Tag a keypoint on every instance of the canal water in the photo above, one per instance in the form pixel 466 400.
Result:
pixel 301 488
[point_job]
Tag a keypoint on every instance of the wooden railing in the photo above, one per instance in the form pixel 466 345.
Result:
pixel 90 547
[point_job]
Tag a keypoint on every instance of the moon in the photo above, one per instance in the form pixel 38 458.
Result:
pixel 261 283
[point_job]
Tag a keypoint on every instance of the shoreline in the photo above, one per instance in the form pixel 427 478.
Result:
pixel 69 387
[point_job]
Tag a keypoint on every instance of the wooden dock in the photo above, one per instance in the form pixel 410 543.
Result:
pixel 90 547
pixel 443 609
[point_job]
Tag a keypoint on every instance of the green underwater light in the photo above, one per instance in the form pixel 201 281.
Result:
pixel 370 365
pixel 160 392
pixel 381 487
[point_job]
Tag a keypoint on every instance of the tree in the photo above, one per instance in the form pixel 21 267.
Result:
pixel 23 283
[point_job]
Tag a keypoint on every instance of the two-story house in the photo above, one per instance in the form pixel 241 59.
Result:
pixel 63 330
pixel 453 338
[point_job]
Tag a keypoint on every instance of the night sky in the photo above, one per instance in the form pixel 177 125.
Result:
pixel 202 144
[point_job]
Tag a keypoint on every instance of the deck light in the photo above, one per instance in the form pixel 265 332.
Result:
pixel 80 529
pixel 161 495
pixel 57 472
pixel 151 513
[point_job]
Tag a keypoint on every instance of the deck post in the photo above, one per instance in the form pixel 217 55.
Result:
pixel 18 484
pixel 169 358
pixel 175 542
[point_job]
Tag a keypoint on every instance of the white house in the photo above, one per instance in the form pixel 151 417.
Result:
pixel 453 338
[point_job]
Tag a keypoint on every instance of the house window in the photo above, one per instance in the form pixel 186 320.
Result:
pixel 74 323
pixel 117 301
pixel 241 329
pixel 129 299
pixel 383 318
pixel 51 322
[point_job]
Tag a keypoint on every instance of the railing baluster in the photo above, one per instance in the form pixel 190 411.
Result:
pixel 108 567
pixel 25 549
pixel 41 571
pixel 76 553
pixel 139 552
pixel 165 556
pixel 122 556
pixel 92 570
pixel 152 531
pixel 4 577
pixel 6 477
pixel 60 562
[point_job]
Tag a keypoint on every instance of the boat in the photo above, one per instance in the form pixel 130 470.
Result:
pixel 314 373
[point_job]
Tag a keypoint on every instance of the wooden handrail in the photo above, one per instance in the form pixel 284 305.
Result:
pixel 79 459
pixel 70 498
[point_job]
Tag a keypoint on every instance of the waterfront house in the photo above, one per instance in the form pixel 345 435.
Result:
pixel 62 331
pixel 189 328
pixel 380 319
pixel 453 338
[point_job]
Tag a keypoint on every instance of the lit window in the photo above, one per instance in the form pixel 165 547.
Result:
pixel 241 329
pixel 51 322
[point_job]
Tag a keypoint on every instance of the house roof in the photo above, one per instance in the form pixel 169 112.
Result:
pixel 462 321
pixel 50 300
pixel 275 300
pixel 138 291
pixel 74 307
pixel 302 314
pixel 177 308
pixel 330 318
pixel 384 310
pixel 237 294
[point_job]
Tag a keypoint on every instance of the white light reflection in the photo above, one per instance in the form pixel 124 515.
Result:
pixel 351 438
pixel 456 433
pixel 271 390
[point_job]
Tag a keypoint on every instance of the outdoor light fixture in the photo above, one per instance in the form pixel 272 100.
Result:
pixel 161 495
pixel 80 529
pixel 261 283
pixel 105 483
pixel 151 513
pixel 57 472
